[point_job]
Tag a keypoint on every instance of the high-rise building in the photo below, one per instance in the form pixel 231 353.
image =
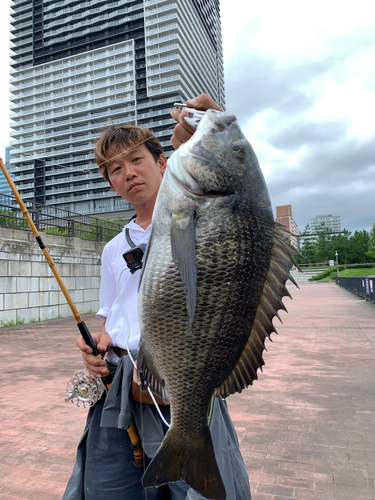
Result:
pixel 330 221
pixel 284 216
pixel 4 186
pixel 78 65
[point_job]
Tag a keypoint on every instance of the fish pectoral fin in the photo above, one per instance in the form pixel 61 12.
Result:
pixel 194 462
pixel 149 377
pixel 184 256
pixel 274 289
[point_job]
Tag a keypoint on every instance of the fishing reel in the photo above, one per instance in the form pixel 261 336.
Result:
pixel 84 390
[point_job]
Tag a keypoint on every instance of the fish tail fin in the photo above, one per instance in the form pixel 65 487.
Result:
pixel 194 463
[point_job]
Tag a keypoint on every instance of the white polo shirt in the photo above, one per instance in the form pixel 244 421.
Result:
pixel 113 264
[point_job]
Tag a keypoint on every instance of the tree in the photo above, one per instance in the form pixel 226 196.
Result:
pixel 323 243
pixel 359 246
pixel 307 245
pixel 340 243
pixel 371 251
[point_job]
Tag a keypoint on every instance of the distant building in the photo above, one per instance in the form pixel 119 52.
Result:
pixel 284 216
pixel 330 221
pixel 4 186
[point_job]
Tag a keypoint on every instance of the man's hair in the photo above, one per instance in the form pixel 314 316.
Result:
pixel 123 137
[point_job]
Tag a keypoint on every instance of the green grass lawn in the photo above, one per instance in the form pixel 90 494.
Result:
pixel 353 272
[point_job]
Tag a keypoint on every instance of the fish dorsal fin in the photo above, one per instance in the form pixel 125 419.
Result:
pixel 274 290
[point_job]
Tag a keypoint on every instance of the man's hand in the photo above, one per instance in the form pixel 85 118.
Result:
pixel 103 341
pixel 183 131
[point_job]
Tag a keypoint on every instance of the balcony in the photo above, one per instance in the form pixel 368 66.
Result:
pixel 74 95
pixel 161 29
pixel 51 71
pixel 69 107
pixel 152 11
pixel 23 177
pixel 72 18
pixel 87 31
pixel 62 3
pixel 156 20
pixel 91 114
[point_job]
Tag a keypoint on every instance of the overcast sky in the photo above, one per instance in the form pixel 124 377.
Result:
pixel 300 77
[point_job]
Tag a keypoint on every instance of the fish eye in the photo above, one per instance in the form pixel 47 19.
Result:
pixel 237 149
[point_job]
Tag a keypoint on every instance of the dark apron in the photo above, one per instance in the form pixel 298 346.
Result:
pixel 118 411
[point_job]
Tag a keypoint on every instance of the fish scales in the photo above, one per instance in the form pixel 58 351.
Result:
pixel 201 293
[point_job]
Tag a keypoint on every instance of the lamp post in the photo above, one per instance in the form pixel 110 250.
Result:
pixel 337 263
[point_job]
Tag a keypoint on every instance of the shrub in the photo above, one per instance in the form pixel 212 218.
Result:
pixel 328 272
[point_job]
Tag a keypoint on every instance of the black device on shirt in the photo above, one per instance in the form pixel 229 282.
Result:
pixel 134 256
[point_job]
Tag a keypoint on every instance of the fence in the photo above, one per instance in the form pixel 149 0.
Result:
pixel 363 286
pixel 52 220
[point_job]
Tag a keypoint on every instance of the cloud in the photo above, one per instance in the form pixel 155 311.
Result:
pixel 332 178
pixel 304 97
pixel 255 84
pixel 355 205
pixel 310 133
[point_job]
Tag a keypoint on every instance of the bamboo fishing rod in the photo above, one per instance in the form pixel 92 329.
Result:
pixel 85 332
pixel 107 378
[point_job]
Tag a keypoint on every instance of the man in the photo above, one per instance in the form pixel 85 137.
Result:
pixel 132 161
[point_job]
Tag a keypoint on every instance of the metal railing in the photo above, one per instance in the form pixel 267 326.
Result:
pixel 52 220
pixel 363 286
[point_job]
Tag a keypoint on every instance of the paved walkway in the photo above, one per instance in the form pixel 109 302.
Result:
pixel 306 428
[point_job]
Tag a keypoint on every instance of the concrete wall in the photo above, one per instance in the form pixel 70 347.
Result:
pixel 28 288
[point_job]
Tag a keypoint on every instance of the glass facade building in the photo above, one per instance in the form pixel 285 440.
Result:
pixel 80 65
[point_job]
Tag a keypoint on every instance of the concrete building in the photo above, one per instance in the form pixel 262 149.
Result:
pixel 330 221
pixel 79 65
pixel 284 216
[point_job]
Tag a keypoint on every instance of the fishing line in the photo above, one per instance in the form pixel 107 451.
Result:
pixel 127 343
pixel 72 169
pixel 135 146
pixel 144 454
pixel 95 165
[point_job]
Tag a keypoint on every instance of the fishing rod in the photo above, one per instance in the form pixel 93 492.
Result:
pixel 82 390
pixel 107 377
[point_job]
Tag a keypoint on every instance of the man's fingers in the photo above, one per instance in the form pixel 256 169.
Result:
pixel 97 372
pixel 175 142
pixel 176 115
pixel 105 343
pixel 81 344
pixel 95 366
pixel 183 132
pixel 203 102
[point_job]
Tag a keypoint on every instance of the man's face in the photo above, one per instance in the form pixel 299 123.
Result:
pixel 135 175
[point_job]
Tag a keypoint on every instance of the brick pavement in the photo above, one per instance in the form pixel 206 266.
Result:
pixel 306 428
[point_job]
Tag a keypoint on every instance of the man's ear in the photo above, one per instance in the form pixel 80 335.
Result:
pixel 162 161
pixel 110 183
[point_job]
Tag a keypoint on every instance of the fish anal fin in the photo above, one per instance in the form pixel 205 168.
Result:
pixel 149 377
pixel 176 460
pixel 184 256
pixel 274 289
